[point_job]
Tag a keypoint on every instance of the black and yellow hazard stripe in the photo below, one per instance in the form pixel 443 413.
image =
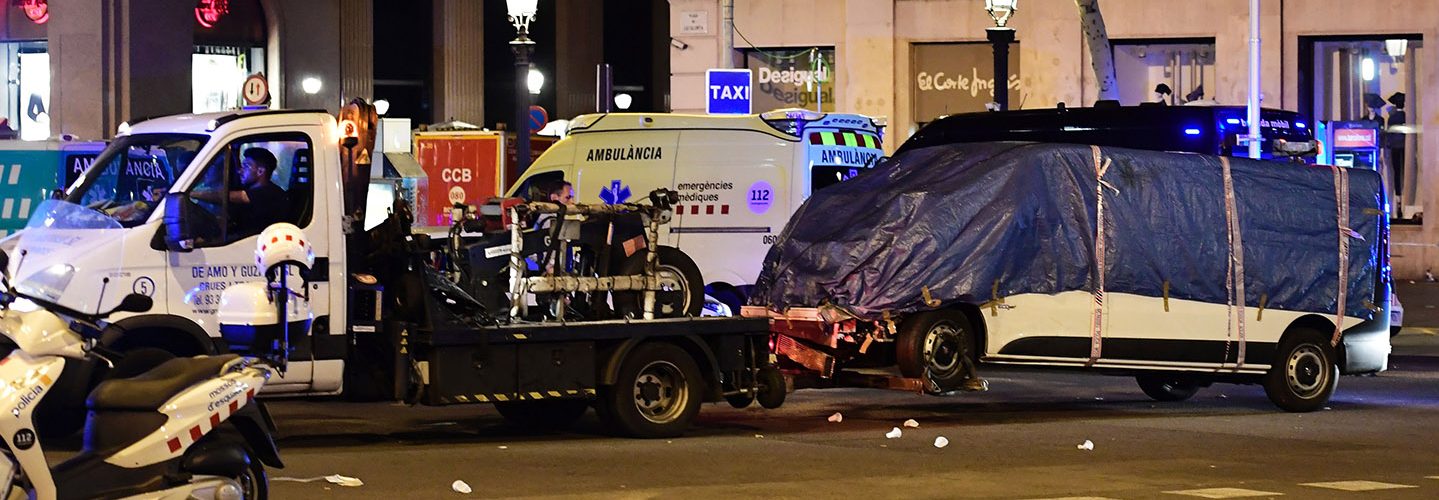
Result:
pixel 523 396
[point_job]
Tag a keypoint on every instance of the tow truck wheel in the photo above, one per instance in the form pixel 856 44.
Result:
pixel 687 300
pixel 544 414
pixel 1303 374
pixel 772 388
pixel 937 342
pixel 656 395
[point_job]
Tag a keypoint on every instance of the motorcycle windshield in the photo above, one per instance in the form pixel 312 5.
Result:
pixel 67 254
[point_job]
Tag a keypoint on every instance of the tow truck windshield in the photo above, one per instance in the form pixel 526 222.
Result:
pixel 130 177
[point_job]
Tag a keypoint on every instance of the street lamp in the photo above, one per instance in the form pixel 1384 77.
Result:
pixel 521 13
pixel 1001 36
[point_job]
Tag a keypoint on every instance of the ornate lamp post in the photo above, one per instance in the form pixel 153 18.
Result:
pixel 521 13
pixel 1001 36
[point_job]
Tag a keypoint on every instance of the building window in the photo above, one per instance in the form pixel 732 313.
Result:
pixel 1359 89
pixel 1174 71
pixel 219 73
pixel 791 78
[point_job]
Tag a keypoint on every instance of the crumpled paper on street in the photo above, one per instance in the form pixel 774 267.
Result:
pixel 941 442
pixel 461 487
pixel 894 433
pixel 348 481
pixel 836 418
pixel 1087 445
pixel 911 423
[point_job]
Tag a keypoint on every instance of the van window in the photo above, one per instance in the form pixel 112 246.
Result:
pixel 530 188
pixel 292 175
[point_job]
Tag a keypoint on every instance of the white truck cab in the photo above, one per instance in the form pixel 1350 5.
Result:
pixel 141 252
pixel 740 177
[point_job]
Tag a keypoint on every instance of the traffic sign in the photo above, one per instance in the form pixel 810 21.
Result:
pixel 256 89
pixel 538 118
pixel 727 91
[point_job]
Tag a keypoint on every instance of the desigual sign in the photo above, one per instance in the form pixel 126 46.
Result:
pixel 792 78
pixel 951 78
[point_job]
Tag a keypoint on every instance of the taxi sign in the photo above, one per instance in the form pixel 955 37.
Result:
pixel 727 91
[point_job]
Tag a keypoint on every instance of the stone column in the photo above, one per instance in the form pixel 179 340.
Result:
pixel 459 88
pixel 110 61
pixel 357 49
pixel 580 46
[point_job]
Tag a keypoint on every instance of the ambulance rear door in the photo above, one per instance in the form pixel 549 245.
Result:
pixel 835 147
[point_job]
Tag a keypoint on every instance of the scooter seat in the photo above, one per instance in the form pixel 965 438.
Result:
pixel 149 390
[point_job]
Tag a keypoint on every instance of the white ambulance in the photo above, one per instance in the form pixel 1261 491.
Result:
pixel 740 177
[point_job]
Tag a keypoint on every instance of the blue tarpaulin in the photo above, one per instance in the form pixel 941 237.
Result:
pixel 973 222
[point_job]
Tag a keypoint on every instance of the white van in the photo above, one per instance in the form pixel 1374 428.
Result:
pixel 740 177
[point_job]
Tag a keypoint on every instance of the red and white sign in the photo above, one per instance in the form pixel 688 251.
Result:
pixel 256 90
pixel 1356 138
pixel 462 168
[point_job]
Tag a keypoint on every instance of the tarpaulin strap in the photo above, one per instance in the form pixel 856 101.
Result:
pixel 1341 198
pixel 1235 281
pixel 1263 302
pixel 889 324
pixel 1166 295
pixel 928 300
pixel 1096 319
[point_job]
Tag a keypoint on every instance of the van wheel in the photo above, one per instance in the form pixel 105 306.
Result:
pixel 1167 389
pixel 940 343
pixel 686 300
pixel 1304 373
pixel 656 395
pixel 542 415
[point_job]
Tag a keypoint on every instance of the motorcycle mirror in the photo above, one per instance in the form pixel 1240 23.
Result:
pixel 134 303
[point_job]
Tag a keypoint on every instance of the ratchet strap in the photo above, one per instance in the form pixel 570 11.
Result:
pixel 1341 198
pixel 1096 319
pixel 1234 281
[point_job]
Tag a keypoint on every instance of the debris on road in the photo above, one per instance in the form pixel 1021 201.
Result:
pixel 836 418
pixel 894 433
pixel 911 423
pixel 1086 446
pixel 332 479
pixel 941 442
pixel 461 487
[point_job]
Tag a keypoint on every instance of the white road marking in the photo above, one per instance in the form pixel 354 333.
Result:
pixel 1358 485
pixel 15 174
pixel 1225 493
pixel 25 208
pixel 9 208
pixel 1075 498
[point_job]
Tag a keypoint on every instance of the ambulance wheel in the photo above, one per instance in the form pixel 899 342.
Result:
pixel 772 388
pixel 656 394
pixel 687 300
pixel 1167 389
pixel 544 414
pixel 1303 374
pixel 936 344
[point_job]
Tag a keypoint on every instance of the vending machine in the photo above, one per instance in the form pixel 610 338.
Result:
pixel 1353 143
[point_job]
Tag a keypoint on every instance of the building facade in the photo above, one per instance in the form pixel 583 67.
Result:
pixel 914 60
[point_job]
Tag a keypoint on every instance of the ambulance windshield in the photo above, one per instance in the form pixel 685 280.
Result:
pixel 131 176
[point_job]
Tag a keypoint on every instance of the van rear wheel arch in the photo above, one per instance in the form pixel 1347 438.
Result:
pixel 173 334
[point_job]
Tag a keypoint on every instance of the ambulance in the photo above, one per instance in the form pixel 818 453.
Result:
pixel 740 177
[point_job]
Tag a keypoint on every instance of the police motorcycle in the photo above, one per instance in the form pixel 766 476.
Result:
pixel 188 428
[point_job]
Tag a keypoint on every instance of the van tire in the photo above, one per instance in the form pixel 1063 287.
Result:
pixel 1303 374
pixel 938 343
pixel 669 387
pixel 689 300
pixel 1167 388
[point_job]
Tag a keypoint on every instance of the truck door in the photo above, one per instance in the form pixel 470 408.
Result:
pixel 227 256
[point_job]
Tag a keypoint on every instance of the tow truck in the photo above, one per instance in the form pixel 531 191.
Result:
pixel 610 320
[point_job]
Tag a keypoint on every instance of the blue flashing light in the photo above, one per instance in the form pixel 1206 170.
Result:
pixel 1191 131
pixel 1231 121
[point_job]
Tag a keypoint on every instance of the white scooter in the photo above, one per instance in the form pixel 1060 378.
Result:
pixel 189 428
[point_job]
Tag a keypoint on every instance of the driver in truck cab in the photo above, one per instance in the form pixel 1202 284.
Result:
pixel 258 202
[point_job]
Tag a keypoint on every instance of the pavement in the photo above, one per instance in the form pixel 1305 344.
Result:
pixel 1420 335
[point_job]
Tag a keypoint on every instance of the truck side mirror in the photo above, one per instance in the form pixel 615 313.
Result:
pixel 179 229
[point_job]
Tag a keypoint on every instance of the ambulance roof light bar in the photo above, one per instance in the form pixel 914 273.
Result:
pixel 791 114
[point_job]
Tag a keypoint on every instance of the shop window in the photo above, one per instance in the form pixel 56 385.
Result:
pixel 219 73
pixel 791 78
pixel 25 101
pixel 951 78
pixel 1360 91
pixel 1172 71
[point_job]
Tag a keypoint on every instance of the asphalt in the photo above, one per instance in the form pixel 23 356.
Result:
pixel 1420 335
